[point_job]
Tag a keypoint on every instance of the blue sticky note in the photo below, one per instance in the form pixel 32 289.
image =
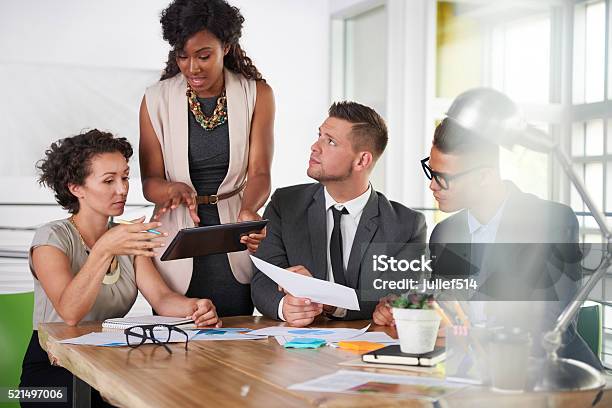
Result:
pixel 210 332
pixel 305 343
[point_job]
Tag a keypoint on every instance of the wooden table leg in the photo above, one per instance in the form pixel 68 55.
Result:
pixel 81 393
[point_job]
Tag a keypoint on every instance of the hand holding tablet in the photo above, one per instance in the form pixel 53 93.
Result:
pixel 216 239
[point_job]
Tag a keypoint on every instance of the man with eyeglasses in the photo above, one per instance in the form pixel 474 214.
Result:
pixel 521 250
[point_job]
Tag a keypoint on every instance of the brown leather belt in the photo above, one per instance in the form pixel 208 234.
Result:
pixel 214 198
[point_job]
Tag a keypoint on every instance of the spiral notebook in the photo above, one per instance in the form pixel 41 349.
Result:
pixel 125 322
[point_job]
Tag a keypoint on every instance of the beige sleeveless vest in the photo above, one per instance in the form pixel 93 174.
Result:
pixel 168 110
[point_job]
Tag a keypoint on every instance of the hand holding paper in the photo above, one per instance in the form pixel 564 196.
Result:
pixel 316 290
pixel 299 269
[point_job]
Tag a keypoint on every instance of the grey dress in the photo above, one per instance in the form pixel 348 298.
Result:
pixel 212 276
pixel 112 301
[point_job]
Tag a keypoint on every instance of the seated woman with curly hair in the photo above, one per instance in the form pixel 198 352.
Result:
pixel 84 268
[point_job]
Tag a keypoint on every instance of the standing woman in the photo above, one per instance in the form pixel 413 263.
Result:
pixel 206 145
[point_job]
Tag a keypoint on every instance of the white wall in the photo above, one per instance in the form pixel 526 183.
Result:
pixel 289 43
pixel 111 33
pixel 67 65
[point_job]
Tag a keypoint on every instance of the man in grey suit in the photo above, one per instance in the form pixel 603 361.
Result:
pixel 324 229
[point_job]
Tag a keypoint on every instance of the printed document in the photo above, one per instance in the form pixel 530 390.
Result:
pixel 317 290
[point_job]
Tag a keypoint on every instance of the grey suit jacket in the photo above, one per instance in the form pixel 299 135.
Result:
pixel 536 248
pixel 296 235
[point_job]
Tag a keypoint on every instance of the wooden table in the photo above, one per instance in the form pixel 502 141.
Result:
pixel 247 373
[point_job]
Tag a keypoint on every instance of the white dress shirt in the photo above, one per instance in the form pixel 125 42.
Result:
pixel 348 226
pixel 482 234
pixel 485 233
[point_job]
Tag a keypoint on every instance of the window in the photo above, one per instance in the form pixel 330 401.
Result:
pixel 591 135
pixel 589 52
pixel 522 72
pixel 487 40
pixel 359 66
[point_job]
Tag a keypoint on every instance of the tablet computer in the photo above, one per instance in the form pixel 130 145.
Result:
pixel 215 239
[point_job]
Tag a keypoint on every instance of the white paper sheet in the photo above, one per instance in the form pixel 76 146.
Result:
pixel 229 336
pixel 284 334
pixel 358 381
pixel 226 334
pixel 317 290
pixel 117 338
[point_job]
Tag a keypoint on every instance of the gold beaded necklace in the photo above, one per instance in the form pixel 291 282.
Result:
pixel 113 273
pixel 219 115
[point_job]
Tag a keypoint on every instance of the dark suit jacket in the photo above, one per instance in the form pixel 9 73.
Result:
pixel 535 248
pixel 297 235
pixel 535 257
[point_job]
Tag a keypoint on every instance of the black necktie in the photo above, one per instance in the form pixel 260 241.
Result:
pixel 335 247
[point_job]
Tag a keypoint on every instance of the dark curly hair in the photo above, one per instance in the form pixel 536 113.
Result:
pixel 68 161
pixel 184 18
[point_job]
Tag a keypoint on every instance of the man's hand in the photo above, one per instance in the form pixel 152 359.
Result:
pixel 299 269
pixel 300 312
pixel 329 310
pixel 382 314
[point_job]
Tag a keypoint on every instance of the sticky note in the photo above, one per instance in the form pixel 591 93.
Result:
pixel 305 343
pixel 360 345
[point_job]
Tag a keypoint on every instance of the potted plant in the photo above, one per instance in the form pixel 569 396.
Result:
pixel 417 322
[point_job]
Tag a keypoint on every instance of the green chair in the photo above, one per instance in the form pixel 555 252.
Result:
pixel 589 326
pixel 15 332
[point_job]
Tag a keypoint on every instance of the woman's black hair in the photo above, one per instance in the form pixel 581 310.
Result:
pixel 184 18
pixel 68 161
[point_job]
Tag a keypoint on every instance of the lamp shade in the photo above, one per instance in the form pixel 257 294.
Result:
pixel 492 116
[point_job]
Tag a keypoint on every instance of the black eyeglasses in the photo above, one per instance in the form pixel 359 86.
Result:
pixel 443 179
pixel 158 333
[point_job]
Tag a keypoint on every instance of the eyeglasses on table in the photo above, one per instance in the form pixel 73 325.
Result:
pixel 159 334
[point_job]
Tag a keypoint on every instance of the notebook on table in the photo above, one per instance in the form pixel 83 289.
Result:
pixel 125 322
pixel 393 355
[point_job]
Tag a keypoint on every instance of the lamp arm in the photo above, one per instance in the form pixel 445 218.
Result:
pixel 552 339
pixel 566 163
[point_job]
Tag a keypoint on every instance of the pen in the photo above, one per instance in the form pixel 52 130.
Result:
pixel 442 314
pixel 130 222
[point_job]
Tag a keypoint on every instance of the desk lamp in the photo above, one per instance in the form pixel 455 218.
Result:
pixel 492 116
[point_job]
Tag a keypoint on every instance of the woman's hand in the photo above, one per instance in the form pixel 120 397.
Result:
pixel 205 314
pixel 131 239
pixel 252 240
pixel 180 194
pixel 55 361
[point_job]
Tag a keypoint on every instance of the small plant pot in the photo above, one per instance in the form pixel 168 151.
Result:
pixel 417 329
